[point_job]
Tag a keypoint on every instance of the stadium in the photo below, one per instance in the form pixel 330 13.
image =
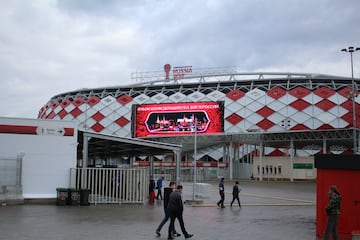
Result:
pixel 237 125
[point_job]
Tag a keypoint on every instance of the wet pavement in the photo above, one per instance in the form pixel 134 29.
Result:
pixel 270 210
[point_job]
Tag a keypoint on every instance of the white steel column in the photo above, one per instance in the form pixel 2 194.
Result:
pixel 178 165
pixel 260 161
pixel 151 158
pixel 85 151
pixel 231 159
pixel 291 160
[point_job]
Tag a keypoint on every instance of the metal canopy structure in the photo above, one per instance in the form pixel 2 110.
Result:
pixel 94 143
pixel 188 141
pixel 300 139
pixel 113 145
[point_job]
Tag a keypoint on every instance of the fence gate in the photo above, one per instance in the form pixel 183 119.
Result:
pixel 10 180
pixel 112 185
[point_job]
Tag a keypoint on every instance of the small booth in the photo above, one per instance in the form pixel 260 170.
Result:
pixel 344 172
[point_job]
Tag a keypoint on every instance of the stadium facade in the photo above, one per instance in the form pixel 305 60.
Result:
pixel 222 117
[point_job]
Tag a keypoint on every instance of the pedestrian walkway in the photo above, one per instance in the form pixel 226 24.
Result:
pixel 270 210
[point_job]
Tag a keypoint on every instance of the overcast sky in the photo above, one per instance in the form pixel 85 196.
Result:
pixel 51 47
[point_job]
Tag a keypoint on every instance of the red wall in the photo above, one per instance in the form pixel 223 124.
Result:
pixel 348 183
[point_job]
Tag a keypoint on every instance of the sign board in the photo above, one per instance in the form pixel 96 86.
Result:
pixel 178 118
pixel 181 72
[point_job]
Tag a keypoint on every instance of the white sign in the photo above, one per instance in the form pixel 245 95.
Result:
pixel 50 131
pixel 180 72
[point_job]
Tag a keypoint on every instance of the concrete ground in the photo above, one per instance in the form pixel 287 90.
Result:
pixel 270 210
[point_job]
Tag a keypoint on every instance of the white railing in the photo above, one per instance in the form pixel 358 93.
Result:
pixel 111 185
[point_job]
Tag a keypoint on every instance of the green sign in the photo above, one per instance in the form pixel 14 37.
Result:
pixel 213 171
pixel 303 166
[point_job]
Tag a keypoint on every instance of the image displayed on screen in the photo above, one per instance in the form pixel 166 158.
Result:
pixel 175 122
pixel 178 118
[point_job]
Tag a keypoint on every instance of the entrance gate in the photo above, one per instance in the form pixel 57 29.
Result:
pixel 112 185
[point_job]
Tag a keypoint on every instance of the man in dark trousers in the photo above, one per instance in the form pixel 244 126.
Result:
pixel 333 212
pixel 159 186
pixel 167 191
pixel 222 193
pixel 176 209
pixel 235 193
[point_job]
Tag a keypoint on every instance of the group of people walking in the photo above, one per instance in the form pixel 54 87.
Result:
pixel 173 209
pixel 332 209
pixel 173 206
pixel 235 192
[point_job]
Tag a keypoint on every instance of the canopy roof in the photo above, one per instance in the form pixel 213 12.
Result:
pixel 113 145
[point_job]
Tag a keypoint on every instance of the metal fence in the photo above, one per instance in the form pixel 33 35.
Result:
pixel 112 185
pixel 10 179
pixel 187 173
pixel 121 185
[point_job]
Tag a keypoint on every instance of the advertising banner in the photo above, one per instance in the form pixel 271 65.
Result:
pixel 178 118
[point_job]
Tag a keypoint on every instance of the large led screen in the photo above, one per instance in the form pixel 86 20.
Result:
pixel 178 118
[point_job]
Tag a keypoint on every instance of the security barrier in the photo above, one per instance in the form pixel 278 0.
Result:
pixel 202 190
pixel 111 185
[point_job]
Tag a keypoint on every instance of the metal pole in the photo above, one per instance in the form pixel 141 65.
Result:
pixel 353 94
pixel 353 102
pixel 260 160
pixel 231 159
pixel 195 153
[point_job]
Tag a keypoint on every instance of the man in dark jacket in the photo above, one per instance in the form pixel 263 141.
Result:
pixel 333 212
pixel 235 193
pixel 222 193
pixel 167 192
pixel 176 209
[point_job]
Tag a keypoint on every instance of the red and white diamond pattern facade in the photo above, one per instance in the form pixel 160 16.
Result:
pixel 274 110
pixel 298 109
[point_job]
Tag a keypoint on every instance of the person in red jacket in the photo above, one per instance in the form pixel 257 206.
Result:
pixel 152 191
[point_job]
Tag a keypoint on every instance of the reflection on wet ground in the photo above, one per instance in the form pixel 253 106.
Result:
pixel 270 210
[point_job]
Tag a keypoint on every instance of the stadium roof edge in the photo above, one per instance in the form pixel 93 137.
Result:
pixel 260 76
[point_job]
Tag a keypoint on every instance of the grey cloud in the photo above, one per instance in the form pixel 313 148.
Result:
pixel 260 30
pixel 100 8
pixel 49 48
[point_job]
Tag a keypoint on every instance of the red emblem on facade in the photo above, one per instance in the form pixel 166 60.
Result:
pixel 167 68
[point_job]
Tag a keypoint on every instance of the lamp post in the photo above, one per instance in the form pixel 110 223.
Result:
pixel 195 153
pixel 353 94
